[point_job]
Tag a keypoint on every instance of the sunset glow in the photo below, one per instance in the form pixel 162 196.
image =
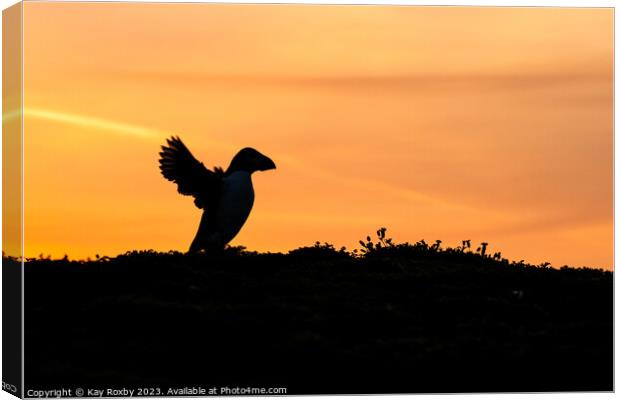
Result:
pixel 451 123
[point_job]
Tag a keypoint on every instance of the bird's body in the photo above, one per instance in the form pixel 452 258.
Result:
pixel 226 197
pixel 221 224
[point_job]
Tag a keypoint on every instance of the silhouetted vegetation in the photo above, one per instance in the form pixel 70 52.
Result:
pixel 388 317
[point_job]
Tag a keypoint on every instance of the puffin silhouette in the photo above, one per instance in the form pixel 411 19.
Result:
pixel 225 196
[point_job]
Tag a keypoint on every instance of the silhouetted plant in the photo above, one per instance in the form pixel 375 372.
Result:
pixel 422 244
pixel 396 254
pixel 467 243
pixel 320 250
pixel 382 242
pixel 482 249
pixel 235 250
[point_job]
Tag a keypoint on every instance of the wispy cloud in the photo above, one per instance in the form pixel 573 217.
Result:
pixel 514 80
pixel 85 121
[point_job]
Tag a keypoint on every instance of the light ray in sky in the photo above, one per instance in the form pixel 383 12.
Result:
pixel 101 124
pixel 88 122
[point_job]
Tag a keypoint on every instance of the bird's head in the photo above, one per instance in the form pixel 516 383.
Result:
pixel 250 160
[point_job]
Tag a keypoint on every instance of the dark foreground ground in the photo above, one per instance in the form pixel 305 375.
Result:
pixel 316 320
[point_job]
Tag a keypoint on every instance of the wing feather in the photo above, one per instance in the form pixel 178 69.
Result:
pixel 178 165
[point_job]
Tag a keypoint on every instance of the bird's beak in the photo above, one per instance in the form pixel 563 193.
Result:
pixel 266 163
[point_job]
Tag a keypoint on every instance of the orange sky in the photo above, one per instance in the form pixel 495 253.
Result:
pixel 489 124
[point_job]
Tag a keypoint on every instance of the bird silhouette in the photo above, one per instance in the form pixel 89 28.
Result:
pixel 225 196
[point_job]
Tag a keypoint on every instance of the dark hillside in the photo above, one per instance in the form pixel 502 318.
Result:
pixel 406 318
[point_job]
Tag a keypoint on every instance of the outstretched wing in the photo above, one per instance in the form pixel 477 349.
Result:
pixel 177 164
